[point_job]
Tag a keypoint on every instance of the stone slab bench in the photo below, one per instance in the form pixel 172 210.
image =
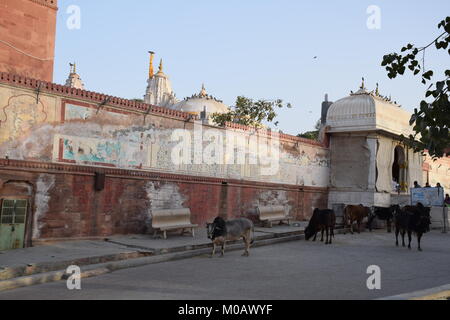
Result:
pixel 172 219
pixel 271 214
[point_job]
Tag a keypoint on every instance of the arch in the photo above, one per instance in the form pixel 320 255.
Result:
pixel 20 190
pixel 399 168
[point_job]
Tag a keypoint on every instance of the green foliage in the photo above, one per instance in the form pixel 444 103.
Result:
pixel 313 135
pixel 431 119
pixel 250 113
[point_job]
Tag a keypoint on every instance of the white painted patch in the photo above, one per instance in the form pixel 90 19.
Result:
pixel 163 196
pixel 273 198
pixel 44 184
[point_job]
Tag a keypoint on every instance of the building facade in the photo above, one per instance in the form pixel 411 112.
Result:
pixel 56 141
pixel 76 164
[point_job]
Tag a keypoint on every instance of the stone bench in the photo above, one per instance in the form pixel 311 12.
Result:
pixel 172 219
pixel 270 214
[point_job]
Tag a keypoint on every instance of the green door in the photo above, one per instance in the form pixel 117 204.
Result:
pixel 12 224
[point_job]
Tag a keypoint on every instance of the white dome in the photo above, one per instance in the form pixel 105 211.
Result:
pixel 363 111
pixel 201 102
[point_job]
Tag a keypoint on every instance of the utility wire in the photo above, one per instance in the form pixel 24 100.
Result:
pixel 27 54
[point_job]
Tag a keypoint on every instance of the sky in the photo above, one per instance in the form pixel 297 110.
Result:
pixel 261 49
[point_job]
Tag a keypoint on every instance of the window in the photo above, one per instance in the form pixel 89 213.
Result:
pixel 13 211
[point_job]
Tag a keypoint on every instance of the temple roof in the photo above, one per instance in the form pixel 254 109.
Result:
pixel 366 111
pixel 201 102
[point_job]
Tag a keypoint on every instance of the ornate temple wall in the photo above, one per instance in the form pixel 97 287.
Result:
pixel 56 139
pixel 362 169
pixel 411 171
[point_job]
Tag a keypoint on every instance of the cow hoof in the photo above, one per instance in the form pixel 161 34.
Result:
pixel 420 249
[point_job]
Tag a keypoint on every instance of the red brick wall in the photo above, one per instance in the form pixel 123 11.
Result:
pixel 76 210
pixel 30 26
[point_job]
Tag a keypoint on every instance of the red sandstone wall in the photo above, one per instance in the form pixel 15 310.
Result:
pixel 30 26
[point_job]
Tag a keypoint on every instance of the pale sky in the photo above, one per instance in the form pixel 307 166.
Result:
pixel 261 49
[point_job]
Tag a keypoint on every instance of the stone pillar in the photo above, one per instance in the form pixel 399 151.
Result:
pixel 372 144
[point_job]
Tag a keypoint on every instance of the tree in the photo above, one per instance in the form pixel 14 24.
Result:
pixel 250 113
pixel 313 135
pixel 431 119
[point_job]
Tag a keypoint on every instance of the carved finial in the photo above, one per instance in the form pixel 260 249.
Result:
pixel 203 92
pixel 377 92
pixel 150 70
pixel 160 66
pixel 362 85
pixel 73 67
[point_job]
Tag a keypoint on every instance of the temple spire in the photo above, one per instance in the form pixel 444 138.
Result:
pixel 74 80
pixel 150 70
pixel 203 92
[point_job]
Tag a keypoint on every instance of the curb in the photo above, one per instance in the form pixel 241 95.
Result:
pixel 437 293
pixel 165 255
pixel 8 273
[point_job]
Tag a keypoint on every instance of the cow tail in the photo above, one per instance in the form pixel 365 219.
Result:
pixel 253 235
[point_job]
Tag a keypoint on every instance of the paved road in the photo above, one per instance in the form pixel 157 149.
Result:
pixel 293 270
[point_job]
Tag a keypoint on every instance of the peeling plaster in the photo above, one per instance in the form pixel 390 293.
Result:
pixel 108 138
pixel 44 184
pixel 164 196
pixel 273 198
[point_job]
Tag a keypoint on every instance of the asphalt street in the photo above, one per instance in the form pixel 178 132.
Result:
pixel 292 270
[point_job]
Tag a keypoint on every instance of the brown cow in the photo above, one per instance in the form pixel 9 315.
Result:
pixel 355 213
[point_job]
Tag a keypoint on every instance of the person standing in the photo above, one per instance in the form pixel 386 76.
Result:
pixel 447 200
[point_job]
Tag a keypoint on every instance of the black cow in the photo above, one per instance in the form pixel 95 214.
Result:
pixel 412 219
pixel 321 220
pixel 385 214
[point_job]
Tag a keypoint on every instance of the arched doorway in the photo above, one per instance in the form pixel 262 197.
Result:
pixel 16 198
pixel 399 168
